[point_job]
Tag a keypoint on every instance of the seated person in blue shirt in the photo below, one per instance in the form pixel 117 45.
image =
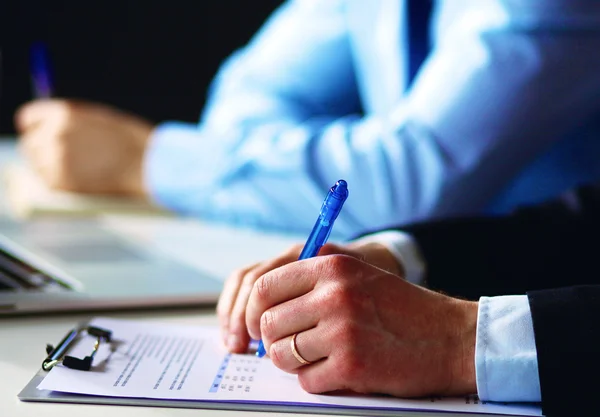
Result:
pixel 360 324
pixel 323 91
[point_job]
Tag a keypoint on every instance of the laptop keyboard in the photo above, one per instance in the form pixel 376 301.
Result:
pixel 16 275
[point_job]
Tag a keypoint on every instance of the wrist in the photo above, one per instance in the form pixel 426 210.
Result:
pixel 462 360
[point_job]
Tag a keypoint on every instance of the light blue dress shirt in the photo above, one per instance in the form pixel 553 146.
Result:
pixel 321 93
pixel 506 364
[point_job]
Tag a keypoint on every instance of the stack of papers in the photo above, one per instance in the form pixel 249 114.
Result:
pixel 27 196
pixel 166 362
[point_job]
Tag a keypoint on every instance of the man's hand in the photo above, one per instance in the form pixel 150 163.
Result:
pixel 231 308
pixel 363 329
pixel 84 147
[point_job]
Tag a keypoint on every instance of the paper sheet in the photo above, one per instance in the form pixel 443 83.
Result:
pixel 151 360
pixel 27 196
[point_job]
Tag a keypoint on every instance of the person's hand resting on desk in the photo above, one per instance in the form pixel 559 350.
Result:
pixel 84 147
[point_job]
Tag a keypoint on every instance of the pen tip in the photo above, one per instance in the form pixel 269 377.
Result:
pixel 260 352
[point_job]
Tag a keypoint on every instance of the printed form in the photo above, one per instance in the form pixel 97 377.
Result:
pixel 159 361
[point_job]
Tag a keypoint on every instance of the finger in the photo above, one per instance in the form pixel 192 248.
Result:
pixel 238 337
pixel 280 285
pixel 323 376
pixel 293 316
pixel 228 296
pixel 34 112
pixel 308 345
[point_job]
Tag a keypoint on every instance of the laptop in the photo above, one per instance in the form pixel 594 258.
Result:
pixel 52 265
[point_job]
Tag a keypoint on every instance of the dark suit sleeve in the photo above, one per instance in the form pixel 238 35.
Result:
pixel 551 245
pixel 536 250
pixel 567 337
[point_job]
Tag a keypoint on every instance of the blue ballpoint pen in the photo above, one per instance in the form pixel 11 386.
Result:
pixel 330 209
pixel 41 77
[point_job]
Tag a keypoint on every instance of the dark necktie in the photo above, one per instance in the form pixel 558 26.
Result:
pixel 419 12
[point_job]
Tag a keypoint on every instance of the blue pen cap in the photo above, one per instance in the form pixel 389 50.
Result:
pixel 332 205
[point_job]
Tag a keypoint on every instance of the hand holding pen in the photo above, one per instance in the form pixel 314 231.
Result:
pixel 339 322
pixel 342 322
pixel 231 308
pixel 322 229
pixel 78 145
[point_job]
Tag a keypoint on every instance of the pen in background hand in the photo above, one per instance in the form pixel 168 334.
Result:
pixel 41 77
pixel 330 209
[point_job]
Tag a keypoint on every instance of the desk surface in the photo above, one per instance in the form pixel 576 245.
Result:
pixel 23 339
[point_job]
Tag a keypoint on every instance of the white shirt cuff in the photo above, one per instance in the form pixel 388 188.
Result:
pixel 505 355
pixel 405 250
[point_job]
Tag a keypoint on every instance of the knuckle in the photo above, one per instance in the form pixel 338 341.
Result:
pixel 341 265
pixel 263 287
pixel 267 324
pixel 329 249
pixel 277 355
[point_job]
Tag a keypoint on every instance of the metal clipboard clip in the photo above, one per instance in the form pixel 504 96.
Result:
pixel 58 354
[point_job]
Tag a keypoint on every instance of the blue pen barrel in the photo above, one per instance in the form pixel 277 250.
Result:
pixel 320 233
pixel 41 75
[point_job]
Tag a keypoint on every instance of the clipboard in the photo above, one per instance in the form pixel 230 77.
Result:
pixel 60 354
pixel 32 394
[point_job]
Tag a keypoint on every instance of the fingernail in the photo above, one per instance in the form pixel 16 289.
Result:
pixel 233 342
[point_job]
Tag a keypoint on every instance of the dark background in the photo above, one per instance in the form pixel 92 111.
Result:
pixel 155 58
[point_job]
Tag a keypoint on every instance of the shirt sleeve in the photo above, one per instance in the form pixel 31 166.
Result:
pixel 505 353
pixel 285 120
